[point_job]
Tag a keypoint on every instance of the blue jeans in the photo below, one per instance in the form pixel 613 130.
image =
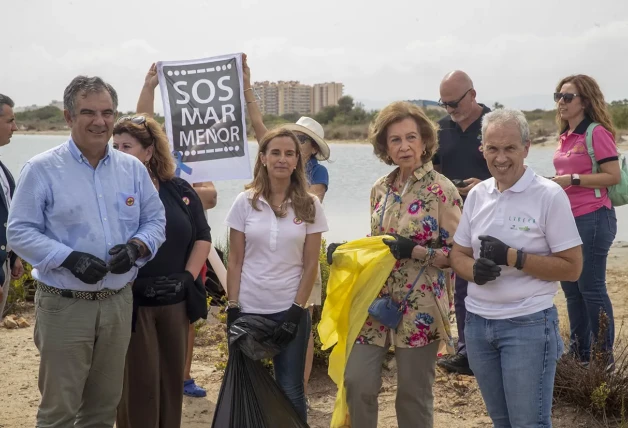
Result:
pixel 514 361
pixel 289 364
pixel 588 296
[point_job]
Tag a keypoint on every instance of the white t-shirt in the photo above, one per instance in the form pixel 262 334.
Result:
pixel 534 216
pixel 273 253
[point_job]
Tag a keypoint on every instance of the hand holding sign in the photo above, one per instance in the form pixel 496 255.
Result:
pixel 204 110
pixel 246 72
pixel 152 81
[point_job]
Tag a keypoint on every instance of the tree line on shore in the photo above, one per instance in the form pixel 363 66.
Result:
pixel 348 120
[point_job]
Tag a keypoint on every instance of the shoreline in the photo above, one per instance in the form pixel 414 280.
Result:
pixel 622 140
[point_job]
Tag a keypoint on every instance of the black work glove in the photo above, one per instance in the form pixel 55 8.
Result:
pixel 163 289
pixel 89 269
pixel 330 252
pixel 232 315
pixel 124 257
pixel 485 270
pixel 400 247
pixel 185 278
pixel 287 330
pixel 494 249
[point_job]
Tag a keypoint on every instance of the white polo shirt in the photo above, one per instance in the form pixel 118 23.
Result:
pixel 273 253
pixel 534 216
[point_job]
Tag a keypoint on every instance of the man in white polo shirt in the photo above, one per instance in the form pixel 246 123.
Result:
pixel 516 239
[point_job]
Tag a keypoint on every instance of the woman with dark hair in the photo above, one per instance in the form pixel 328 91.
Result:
pixel 164 288
pixel 581 110
pixel 207 193
pixel 275 229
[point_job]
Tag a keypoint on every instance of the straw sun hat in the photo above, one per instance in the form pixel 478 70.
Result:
pixel 315 131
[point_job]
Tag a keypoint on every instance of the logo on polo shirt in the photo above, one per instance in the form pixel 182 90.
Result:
pixel 130 201
pixel 297 220
pixel 186 200
pixel 521 223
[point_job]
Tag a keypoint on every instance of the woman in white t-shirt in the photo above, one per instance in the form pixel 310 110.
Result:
pixel 516 239
pixel 275 239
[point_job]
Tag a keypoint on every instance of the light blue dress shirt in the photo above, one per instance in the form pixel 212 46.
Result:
pixel 62 204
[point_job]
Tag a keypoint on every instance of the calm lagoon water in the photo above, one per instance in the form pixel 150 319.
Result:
pixel 352 171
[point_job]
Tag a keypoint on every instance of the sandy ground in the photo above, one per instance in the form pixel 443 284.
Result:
pixel 457 399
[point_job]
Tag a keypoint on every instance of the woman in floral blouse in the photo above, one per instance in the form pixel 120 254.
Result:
pixel 421 209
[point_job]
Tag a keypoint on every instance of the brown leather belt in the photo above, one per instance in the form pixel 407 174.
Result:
pixel 84 295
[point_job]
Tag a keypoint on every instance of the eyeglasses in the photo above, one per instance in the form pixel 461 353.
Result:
pixel 453 104
pixel 303 138
pixel 567 97
pixel 138 120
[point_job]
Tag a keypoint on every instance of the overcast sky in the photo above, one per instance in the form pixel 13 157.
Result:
pixel 515 52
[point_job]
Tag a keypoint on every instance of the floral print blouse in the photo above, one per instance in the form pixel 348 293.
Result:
pixel 428 212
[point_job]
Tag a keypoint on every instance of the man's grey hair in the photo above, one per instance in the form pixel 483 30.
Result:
pixel 82 86
pixel 505 116
pixel 5 100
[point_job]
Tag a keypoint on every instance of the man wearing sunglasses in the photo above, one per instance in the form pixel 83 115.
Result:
pixel 460 159
pixel 85 217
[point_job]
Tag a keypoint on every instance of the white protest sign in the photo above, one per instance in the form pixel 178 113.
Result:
pixel 204 110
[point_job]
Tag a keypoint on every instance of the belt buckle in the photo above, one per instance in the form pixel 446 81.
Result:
pixel 67 293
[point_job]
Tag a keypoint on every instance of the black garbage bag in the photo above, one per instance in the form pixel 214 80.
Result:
pixel 249 397
pixel 254 337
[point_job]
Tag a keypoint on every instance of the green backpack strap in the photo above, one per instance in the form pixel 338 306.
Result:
pixel 589 140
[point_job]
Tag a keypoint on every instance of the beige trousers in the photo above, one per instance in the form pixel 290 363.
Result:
pixel 416 369
pixel 153 380
pixel 83 345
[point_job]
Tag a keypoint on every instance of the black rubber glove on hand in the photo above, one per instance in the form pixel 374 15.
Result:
pixel 163 289
pixel 485 270
pixel 287 330
pixel 89 269
pixel 232 315
pixel 400 247
pixel 124 257
pixel 330 252
pixel 494 249
pixel 185 278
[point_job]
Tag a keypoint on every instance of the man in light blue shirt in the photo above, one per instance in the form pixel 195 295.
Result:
pixel 86 217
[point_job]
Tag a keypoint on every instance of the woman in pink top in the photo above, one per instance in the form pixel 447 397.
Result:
pixel 579 103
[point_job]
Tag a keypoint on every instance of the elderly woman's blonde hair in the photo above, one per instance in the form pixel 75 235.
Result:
pixel 396 112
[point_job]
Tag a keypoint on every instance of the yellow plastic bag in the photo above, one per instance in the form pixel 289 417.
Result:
pixel 358 273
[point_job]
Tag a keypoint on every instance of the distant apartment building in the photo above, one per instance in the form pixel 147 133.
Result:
pixel 285 97
pixel 268 97
pixel 294 97
pixel 325 94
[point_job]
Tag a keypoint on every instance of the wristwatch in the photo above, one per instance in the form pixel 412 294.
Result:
pixel 575 179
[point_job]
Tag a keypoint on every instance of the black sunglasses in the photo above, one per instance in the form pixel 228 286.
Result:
pixel 453 104
pixel 138 120
pixel 567 97
pixel 303 138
